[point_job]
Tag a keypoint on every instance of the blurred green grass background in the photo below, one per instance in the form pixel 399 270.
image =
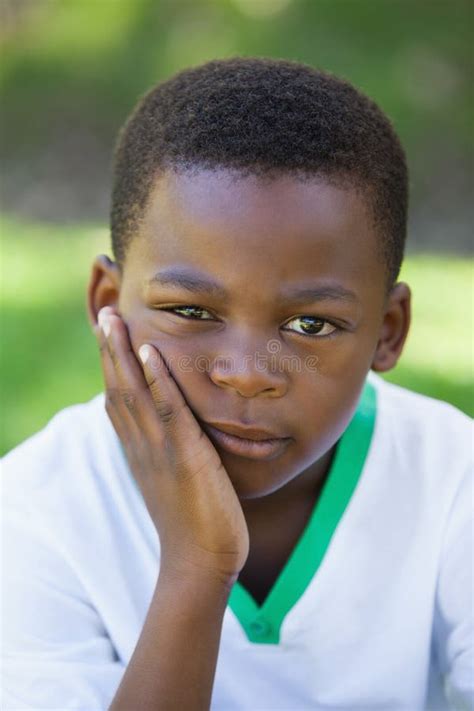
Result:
pixel 49 353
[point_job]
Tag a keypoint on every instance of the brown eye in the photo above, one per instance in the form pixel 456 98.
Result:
pixel 313 326
pixel 189 312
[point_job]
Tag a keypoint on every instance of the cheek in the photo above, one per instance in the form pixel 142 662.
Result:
pixel 325 406
pixel 141 331
pixel 342 359
pixel 185 357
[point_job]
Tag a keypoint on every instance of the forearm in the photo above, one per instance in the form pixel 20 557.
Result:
pixel 174 661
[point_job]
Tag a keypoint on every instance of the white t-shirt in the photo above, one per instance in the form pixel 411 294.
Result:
pixel 373 610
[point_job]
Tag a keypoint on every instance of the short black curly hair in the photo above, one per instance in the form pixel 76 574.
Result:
pixel 263 117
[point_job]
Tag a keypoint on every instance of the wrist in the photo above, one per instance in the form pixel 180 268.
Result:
pixel 185 575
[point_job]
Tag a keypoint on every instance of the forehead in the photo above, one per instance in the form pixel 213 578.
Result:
pixel 277 230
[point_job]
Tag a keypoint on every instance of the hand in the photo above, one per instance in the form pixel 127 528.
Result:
pixel 187 491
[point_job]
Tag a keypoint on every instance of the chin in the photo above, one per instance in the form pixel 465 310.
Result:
pixel 253 480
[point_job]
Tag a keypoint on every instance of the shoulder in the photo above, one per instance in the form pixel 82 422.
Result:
pixel 69 434
pixel 411 412
pixel 426 440
pixel 63 467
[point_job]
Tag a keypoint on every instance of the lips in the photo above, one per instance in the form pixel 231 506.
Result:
pixel 253 433
pixel 256 445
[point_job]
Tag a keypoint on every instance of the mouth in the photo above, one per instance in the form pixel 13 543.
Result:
pixel 261 448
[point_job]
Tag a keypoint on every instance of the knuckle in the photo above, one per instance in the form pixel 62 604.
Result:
pixel 114 357
pixel 152 380
pixel 112 398
pixel 166 412
pixel 130 400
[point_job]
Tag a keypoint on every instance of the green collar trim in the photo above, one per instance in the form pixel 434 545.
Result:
pixel 262 623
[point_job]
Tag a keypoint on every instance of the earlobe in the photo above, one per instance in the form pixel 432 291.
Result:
pixel 394 330
pixel 104 286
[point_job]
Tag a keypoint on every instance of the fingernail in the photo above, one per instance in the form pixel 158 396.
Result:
pixel 144 353
pixel 104 322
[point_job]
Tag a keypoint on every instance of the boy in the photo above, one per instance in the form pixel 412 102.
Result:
pixel 250 517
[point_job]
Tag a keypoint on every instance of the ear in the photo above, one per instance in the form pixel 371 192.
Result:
pixel 104 286
pixel 394 329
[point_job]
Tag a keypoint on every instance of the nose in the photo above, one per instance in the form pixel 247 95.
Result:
pixel 248 370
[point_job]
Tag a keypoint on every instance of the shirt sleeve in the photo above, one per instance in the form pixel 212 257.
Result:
pixel 56 653
pixel 454 611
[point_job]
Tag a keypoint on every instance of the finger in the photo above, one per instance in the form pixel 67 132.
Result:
pixel 173 411
pixel 129 375
pixel 121 417
pixel 123 423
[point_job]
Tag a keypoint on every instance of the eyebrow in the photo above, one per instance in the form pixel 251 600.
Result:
pixel 192 282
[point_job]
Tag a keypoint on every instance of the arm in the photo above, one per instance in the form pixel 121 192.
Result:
pixel 198 517
pixel 174 662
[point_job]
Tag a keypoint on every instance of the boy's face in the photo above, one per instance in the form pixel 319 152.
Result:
pixel 251 357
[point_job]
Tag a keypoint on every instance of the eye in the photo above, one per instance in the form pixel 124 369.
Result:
pixel 190 312
pixel 310 325
pixel 314 326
